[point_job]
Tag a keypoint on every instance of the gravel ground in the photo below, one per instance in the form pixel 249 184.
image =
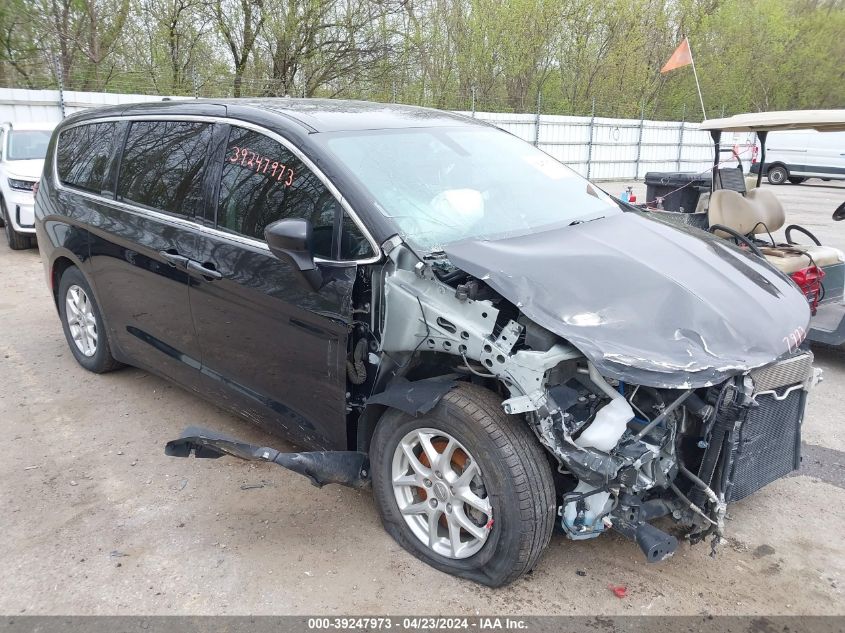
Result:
pixel 96 520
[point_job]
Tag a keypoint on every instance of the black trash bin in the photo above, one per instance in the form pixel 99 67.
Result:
pixel 667 185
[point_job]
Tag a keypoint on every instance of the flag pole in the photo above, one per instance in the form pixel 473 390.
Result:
pixel 695 74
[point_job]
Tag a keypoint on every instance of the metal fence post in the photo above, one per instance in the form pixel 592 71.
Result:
pixel 196 86
pixel 537 120
pixel 681 137
pixel 61 78
pixel 472 95
pixel 639 142
pixel 590 142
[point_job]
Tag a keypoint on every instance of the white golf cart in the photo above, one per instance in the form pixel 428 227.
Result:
pixel 735 209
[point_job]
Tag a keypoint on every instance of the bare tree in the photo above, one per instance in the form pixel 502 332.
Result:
pixel 239 23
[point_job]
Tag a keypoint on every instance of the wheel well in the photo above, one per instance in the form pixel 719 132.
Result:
pixel 59 267
pixel 777 164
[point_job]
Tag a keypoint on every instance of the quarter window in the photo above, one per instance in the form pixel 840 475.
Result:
pixel 162 165
pixel 83 155
pixel 353 244
pixel 262 181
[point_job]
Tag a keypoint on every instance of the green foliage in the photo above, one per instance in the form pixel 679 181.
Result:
pixel 563 56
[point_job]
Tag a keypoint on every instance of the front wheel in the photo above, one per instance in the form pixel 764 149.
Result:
pixel 464 487
pixel 777 175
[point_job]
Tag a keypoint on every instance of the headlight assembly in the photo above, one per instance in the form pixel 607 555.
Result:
pixel 21 185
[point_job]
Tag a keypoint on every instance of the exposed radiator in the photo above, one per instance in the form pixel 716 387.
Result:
pixel 768 444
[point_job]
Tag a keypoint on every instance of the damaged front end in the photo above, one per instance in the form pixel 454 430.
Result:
pixel 668 409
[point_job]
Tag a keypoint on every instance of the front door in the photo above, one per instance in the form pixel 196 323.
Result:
pixel 273 348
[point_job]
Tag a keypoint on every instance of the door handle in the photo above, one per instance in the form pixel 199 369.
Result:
pixel 174 259
pixel 202 269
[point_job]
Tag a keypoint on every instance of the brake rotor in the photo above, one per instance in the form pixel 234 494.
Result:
pixel 459 458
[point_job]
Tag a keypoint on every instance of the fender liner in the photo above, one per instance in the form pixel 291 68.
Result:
pixel 348 468
pixel 417 396
pixel 413 397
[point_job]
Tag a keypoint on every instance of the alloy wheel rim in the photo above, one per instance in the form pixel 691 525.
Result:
pixel 81 321
pixel 440 492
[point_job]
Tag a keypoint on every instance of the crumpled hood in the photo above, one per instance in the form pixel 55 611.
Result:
pixel 644 301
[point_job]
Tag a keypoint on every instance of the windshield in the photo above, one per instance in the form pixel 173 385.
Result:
pixel 441 185
pixel 28 144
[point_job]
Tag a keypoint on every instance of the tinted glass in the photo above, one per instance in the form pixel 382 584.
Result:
pixel 28 144
pixel 353 244
pixel 263 182
pixel 83 155
pixel 162 165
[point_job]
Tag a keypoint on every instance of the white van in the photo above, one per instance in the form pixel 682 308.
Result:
pixel 795 155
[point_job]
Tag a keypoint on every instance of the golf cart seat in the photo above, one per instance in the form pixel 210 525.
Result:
pixel 759 212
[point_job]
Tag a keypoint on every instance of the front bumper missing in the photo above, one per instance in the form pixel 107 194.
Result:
pixel 348 468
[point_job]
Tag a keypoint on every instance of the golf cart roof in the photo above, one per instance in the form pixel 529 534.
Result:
pixel 821 120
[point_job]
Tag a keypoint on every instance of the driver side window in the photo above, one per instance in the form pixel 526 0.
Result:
pixel 262 181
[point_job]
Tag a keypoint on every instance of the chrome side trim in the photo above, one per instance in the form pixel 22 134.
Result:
pixel 213 231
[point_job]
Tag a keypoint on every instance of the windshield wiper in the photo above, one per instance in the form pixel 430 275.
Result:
pixel 574 222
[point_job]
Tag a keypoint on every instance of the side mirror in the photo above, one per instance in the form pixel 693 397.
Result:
pixel 839 214
pixel 291 239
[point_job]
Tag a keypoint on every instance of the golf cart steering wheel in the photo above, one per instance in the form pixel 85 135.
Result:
pixel 839 214
pixel 800 229
pixel 739 237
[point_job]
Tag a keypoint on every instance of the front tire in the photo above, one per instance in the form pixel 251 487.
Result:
pixel 83 324
pixel 777 175
pixel 17 241
pixel 464 487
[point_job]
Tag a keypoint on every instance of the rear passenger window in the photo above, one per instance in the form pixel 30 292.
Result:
pixel 83 155
pixel 262 181
pixel 162 165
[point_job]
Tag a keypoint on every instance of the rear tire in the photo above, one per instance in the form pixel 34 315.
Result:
pixel 83 324
pixel 796 180
pixel 17 241
pixel 777 175
pixel 514 481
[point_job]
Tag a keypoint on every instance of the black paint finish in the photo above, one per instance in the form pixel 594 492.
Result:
pixel 273 348
pixel 143 294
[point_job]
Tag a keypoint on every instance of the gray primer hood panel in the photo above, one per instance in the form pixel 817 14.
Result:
pixel 645 302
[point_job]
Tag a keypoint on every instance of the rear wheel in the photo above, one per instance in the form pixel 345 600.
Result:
pixel 777 175
pixel 796 180
pixel 465 488
pixel 17 241
pixel 83 325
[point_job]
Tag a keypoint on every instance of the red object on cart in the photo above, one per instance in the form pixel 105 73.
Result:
pixel 810 281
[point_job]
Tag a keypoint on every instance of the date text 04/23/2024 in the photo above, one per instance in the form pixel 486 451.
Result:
pixel 417 623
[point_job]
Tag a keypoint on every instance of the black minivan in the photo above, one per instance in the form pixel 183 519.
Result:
pixel 432 307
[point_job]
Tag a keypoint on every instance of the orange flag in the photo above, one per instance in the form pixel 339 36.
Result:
pixel 681 57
